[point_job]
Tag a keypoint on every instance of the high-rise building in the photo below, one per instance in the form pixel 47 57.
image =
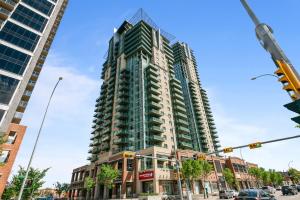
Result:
pixel 201 122
pixel 142 108
pixel 27 30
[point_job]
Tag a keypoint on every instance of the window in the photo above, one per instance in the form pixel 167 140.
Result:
pixel 1 114
pixel 7 88
pixel 19 36
pixel 43 6
pixel 129 165
pixel 11 137
pixel 165 146
pixel 12 60
pixel 4 156
pixel 120 165
pixel 29 18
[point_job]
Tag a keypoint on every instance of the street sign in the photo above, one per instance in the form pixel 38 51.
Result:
pixel 128 154
pixel 146 175
pixel 201 157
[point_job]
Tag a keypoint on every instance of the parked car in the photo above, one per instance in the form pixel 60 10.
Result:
pixel 269 189
pixel 225 194
pixel 254 194
pixel 298 188
pixel 278 188
pixel 286 190
pixel 233 192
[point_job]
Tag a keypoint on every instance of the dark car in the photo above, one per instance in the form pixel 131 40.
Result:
pixel 254 194
pixel 286 190
pixel 298 188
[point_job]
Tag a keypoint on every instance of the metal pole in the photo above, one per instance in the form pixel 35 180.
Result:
pixel 36 141
pixel 256 77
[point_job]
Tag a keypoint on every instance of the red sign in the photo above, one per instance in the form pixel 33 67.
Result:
pixel 146 175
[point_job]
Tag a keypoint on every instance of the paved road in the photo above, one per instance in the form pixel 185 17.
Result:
pixel 279 196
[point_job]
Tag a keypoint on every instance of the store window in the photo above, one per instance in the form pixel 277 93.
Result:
pixel 147 187
pixel 129 165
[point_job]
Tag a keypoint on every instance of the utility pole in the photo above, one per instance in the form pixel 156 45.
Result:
pixel 285 71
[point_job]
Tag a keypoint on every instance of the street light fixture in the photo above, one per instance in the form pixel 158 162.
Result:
pixel 36 141
pixel 256 77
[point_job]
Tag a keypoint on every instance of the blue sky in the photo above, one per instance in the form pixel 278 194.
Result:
pixel 228 54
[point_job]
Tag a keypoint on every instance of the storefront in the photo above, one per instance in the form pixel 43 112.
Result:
pixel 146 178
pixel 167 187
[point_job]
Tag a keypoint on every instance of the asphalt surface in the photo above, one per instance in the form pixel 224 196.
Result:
pixel 279 196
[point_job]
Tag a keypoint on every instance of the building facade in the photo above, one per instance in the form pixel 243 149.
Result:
pixel 27 30
pixel 143 108
pixel 201 122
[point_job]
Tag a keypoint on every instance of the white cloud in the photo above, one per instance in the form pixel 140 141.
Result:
pixel 238 131
pixel 65 136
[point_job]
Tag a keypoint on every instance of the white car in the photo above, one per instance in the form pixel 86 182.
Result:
pixel 269 189
pixel 234 193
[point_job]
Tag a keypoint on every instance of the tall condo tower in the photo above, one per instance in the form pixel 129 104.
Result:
pixel 27 30
pixel 143 109
pixel 201 122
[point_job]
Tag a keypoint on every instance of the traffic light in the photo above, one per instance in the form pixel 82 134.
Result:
pixel 289 78
pixel 202 157
pixel 295 107
pixel 255 145
pixel 228 150
pixel 128 154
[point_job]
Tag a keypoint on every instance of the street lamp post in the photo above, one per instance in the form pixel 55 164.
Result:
pixel 256 77
pixel 289 164
pixel 36 141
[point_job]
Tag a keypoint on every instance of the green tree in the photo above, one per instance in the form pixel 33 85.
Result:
pixel 294 174
pixel 89 183
pixel 8 193
pixel 61 188
pixel 273 177
pixel 107 175
pixel 33 183
pixel 278 179
pixel 191 169
pixel 257 173
pixel 206 170
pixel 265 177
pixel 229 177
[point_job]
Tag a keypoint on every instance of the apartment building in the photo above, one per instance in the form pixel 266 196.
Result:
pixel 27 30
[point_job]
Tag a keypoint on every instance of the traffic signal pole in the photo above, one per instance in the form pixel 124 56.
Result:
pixel 252 145
pixel 287 74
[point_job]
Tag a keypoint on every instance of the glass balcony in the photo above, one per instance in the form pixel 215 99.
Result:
pixel 96 150
pixel 182 122
pixel 180 109
pixel 123 141
pixel 177 96
pixel 123 94
pixel 154 98
pixel 122 108
pixel 154 91
pixel 154 105
pixel 184 137
pixel 180 103
pixel 178 91
pixel 182 129
pixel 106 130
pixel 4 11
pixel 153 78
pixel 180 115
pixel 121 133
pixel 154 112
pixel 156 121
pixel 155 129
pixel 122 115
pixel 157 138
pixel 153 84
pixel 121 124
pixel 151 71
pixel 185 145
